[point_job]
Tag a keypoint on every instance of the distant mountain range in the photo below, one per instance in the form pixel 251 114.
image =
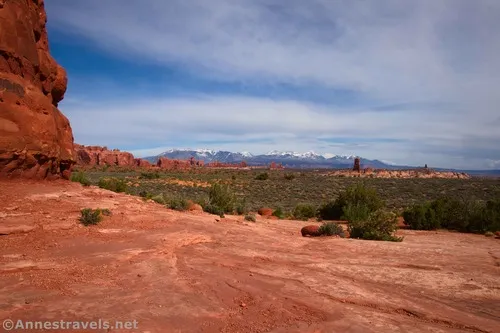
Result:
pixel 290 159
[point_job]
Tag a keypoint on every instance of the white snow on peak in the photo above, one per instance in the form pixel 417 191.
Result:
pixel 246 154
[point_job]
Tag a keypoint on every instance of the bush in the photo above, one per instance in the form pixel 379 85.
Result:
pixel 304 212
pixel 90 216
pixel 242 208
pixel 159 198
pixel 355 196
pixel 262 176
pixel 145 194
pixel 422 217
pixel 331 229
pixel 279 213
pixel 460 215
pixel 380 225
pixel 289 176
pixel 113 184
pixel 250 218
pixel 179 204
pixel 80 177
pixel 149 175
pixel 220 200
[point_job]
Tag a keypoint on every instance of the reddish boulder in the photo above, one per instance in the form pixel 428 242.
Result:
pixel 36 140
pixel 194 207
pixel 310 230
pixel 142 163
pixel 265 211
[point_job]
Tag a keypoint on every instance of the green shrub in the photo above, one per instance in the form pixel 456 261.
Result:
pixel 460 215
pixel 250 218
pixel 356 212
pixel 159 198
pixel 331 229
pixel 178 203
pixel 149 175
pixel 220 200
pixel 262 176
pixel 422 217
pixel 113 184
pixel 355 196
pixel 80 177
pixel 90 216
pixel 489 234
pixel 289 176
pixel 242 208
pixel 278 212
pixel 380 225
pixel 304 212
pixel 145 194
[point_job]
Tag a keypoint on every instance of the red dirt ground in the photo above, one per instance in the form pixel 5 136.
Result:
pixel 194 272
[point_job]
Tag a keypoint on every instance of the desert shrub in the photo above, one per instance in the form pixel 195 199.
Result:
pixel 241 207
pixel 421 217
pixel 113 184
pixel 149 175
pixel 304 212
pixel 178 203
pixel 80 177
pixel 279 213
pixel 356 212
pixel 233 177
pixel 220 200
pixel 380 225
pixel 105 212
pixel 489 234
pixel 357 195
pixel 159 198
pixel 289 176
pixel 453 214
pixel 145 194
pixel 90 216
pixel 331 229
pixel 250 217
pixel 262 176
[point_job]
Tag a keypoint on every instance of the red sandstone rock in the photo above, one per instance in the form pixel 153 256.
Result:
pixel 194 207
pixel 265 211
pixel 310 230
pixel 100 156
pixel 142 163
pixel 357 165
pixel 36 140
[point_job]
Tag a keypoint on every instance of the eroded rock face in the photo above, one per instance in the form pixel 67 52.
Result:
pixel 36 140
pixel 101 156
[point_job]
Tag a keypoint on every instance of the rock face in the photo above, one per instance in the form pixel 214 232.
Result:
pixel 356 166
pixel 36 140
pixel 101 156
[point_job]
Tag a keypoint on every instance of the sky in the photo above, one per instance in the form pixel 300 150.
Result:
pixel 408 82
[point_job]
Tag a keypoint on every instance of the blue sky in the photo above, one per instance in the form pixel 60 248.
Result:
pixel 410 82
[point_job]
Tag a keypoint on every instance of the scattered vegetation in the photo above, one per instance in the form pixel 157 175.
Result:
pixel 262 176
pixel 149 175
pixel 90 216
pixel 379 225
pixel 113 184
pixel 278 212
pixel 331 229
pixel 304 212
pixel 289 176
pixel 463 215
pixel 80 177
pixel 159 198
pixel 250 218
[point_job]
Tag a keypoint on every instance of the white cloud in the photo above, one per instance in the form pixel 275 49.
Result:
pixel 388 50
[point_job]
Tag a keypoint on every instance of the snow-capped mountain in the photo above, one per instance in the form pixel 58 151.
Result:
pixel 290 159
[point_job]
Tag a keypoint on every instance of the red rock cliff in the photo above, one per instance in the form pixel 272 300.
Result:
pixel 36 140
pixel 97 156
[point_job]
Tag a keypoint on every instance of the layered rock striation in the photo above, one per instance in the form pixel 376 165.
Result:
pixel 36 140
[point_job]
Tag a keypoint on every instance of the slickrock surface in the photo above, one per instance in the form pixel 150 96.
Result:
pixel 36 140
pixel 194 272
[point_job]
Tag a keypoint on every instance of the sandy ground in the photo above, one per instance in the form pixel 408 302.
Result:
pixel 194 272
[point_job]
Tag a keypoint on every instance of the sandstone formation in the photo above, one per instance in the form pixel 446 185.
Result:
pixel 414 173
pixel 356 166
pixel 36 140
pixel 265 211
pixel 101 156
pixel 168 164
pixel 310 230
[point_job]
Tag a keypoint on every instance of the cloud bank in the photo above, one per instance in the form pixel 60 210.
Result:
pixel 422 76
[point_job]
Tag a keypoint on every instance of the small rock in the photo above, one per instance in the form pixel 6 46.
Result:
pixel 217 220
pixel 251 274
pixel 139 275
pixel 26 302
pixel 243 305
